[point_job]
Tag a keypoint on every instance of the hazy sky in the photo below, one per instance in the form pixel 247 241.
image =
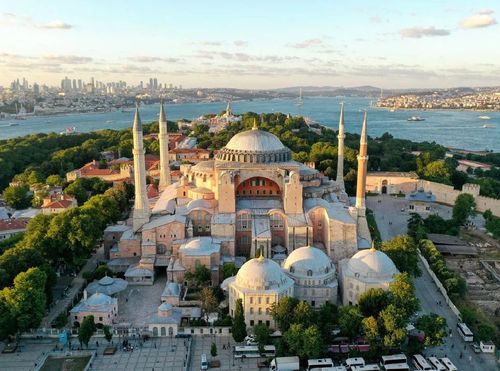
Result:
pixel 253 44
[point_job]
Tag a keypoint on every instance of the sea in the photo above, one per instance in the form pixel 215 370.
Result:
pixel 451 128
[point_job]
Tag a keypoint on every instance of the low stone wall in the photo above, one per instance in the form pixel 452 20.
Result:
pixel 441 288
pixel 206 330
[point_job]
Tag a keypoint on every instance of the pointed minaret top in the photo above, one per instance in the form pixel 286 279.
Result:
pixel 341 121
pixel 137 119
pixel 373 248
pixel 364 135
pixel 261 257
pixel 254 127
pixel 162 117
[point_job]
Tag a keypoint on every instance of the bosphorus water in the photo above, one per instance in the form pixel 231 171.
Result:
pixel 454 128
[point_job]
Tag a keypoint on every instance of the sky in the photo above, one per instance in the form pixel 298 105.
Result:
pixel 253 44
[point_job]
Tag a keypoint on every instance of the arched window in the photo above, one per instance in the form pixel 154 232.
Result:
pixel 309 273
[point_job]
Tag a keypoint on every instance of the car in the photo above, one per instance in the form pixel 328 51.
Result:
pixel 250 338
pixel 251 342
pixel 476 348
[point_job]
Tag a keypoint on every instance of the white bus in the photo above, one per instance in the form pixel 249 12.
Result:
pixel 371 367
pixel 397 367
pixel 465 332
pixel 448 364
pixel 436 364
pixel 322 364
pixel 420 363
pixel 253 351
pixel 393 359
pixel 357 361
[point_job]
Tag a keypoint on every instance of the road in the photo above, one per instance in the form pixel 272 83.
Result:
pixel 391 221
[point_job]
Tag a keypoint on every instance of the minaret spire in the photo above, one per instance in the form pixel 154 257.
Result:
pixel 254 127
pixel 163 142
pixel 340 157
pixel 362 168
pixel 141 206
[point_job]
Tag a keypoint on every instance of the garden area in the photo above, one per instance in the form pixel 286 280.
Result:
pixel 66 363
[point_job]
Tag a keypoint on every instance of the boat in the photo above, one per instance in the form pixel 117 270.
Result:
pixel 392 110
pixel 488 126
pixel 415 118
pixel 13 124
pixel 484 117
pixel 69 131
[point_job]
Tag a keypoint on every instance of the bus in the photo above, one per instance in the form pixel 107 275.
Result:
pixel 322 364
pixel 436 364
pixel 253 351
pixel 397 367
pixel 448 364
pixel 465 332
pixel 420 363
pixel 370 367
pixel 356 361
pixel 393 359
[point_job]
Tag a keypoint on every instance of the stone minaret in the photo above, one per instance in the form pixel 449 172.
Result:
pixel 362 168
pixel 141 206
pixel 163 141
pixel 340 160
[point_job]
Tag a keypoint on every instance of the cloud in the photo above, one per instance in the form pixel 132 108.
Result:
pixel 147 59
pixel 486 11
pixel 209 43
pixel 376 19
pixel 483 19
pixel 57 25
pixel 419 32
pixel 240 43
pixel 67 59
pixel 306 43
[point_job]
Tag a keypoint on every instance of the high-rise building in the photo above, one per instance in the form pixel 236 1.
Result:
pixel 79 84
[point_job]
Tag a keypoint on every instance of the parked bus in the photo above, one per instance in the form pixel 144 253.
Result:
pixel 420 363
pixel 436 364
pixel 253 351
pixel 465 332
pixel 322 364
pixel 393 359
pixel 448 364
pixel 397 367
pixel 370 367
pixel 356 361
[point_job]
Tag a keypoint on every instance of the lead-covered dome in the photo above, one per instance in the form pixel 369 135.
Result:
pixel 262 274
pixel 308 261
pixel 372 264
pixel 254 146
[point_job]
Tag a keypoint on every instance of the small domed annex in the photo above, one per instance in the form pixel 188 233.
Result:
pixel 308 261
pixel 262 274
pixel 372 264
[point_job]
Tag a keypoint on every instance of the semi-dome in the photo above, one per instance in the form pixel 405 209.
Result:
pixel 308 261
pixel 372 264
pixel 99 300
pixel 262 274
pixel 254 146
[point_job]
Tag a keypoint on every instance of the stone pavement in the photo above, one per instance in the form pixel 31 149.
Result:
pixel 26 355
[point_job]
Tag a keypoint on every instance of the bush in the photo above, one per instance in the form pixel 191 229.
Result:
pixel 61 320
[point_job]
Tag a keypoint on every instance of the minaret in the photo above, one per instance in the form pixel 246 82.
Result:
pixel 340 157
pixel 362 168
pixel 141 206
pixel 163 141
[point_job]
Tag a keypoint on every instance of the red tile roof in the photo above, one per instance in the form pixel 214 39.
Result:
pixel 12 224
pixel 58 204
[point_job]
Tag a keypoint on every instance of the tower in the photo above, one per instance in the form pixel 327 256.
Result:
pixel 362 168
pixel 141 206
pixel 340 157
pixel 163 141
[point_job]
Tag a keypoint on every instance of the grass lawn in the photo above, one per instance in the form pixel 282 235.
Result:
pixel 73 363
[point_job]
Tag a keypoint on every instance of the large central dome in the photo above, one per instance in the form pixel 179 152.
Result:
pixel 255 146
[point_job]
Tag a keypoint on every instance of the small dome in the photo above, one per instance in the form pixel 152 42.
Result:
pixel 372 264
pixel 106 281
pixel 308 261
pixel 261 274
pixel 165 307
pixel 99 299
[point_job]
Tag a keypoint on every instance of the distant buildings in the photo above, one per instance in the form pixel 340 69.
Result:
pixel 11 227
pixel 57 203
pixel 104 308
pixel 391 182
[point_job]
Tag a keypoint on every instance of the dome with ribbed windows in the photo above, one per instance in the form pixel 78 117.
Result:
pixel 308 261
pixel 373 265
pixel 262 274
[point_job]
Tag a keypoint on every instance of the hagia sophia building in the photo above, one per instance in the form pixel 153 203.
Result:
pixel 291 230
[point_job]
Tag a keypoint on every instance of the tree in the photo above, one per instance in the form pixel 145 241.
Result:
pixel 464 208
pixel 200 276
pixel 86 330
pixel 239 328
pixel 416 227
pixel 350 319
pixel 213 350
pixel 373 301
pixel 313 343
pixel 402 295
pixel 7 319
pixel 54 180
pixel 108 335
pixel 208 300
pixel 262 335
pixel 370 326
pixel 394 325
pixel 403 252
pixel 303 313
pixel 294 339
pixel 434 327
pixel 283 312
pixel 229 270
pixel 17 197
pixel 306 342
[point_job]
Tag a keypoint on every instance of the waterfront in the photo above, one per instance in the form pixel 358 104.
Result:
pixel 453 128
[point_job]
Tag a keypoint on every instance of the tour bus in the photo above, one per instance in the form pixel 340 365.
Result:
pixel 322 364
pixel 351 362
pixel 436 364
pixel 448 364
pixel 253 351
pixel 420 363
pixel 371 367
pixel 393 359
pixel 397 367
pixel 465 332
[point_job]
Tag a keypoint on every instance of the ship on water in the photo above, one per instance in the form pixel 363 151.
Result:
pixel 484 117
pixel 415 118
pixel 488 126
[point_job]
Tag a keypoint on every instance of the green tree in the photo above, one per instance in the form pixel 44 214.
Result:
pixel 54 180
pixel 61 320
pixel 305 342
pixel 313 343
pixel 402 295
pixel 86 330
pixel 200 276
pixel 229 270
pixel 303 313
pixel 394 326
pixel 373 301
pixel 208 300
pixel 7 319
pixel 350 319
pixel 239 328
pixel 213 350
pixel 463 208
pixel 403 252
pixel 108 335
pixel 416 227
pixel 17 197
pixel 370 326
pixel 434 327
pixel 262 335
pixel 283 312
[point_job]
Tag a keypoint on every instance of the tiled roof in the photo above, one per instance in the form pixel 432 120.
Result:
pixel 12 224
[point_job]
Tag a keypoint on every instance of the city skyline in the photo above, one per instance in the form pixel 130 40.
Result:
pixel 258 46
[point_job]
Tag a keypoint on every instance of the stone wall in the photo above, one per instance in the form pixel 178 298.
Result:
pixel 447 195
